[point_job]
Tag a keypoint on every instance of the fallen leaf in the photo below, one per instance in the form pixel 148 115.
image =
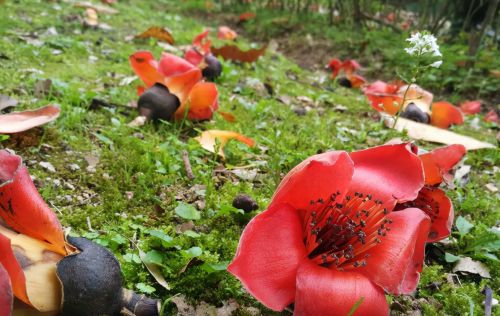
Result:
pixel 6 102
pixel 91 18
pixel 96 7
pixel 468 265
pixel 154 270
pixel 159 33
pixel 434 134
pixel 227 116
pixel 16 122
pixel 207 140
pixel 234 53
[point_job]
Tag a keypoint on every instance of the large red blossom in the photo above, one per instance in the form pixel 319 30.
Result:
pixel 182 79
pixel 330 238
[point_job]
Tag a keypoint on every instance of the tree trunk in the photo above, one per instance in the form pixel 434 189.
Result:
pixel 475 38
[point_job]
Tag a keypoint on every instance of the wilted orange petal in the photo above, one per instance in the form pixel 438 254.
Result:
pixel 145 67
pixel 227 116
pixel 22 207
pixel 16 274
pixel 180 85
pixel 444 114
pixel 207 139
pixel 226 33
pixel 357 81
pixel 16 122
pixel 202 102
pixel 172 65
pixel 491 116
pixel 388 103
pixel 415 92
pixel 471 107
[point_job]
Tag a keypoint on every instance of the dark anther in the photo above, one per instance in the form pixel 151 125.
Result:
pixel 339 205
pixel 386 211
pixel 369 196
pixel 362 223
pixel 347 197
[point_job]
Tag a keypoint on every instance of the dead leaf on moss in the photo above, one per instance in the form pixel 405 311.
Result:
pixel 160 33
pixel 434 134
pixel 208 140
pixel 234 53
pixel 468 265
pixel 154 270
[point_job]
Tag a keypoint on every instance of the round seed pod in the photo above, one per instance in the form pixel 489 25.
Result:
pixel 92 284
pixel 213 69
pixel 414 113
pixel 158 103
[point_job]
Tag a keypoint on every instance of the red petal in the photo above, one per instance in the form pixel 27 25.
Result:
pixel 268 255
pixel 322 291
pixel 16 274
pixel 181 84
pixel 16 122
pixel 145 67
pixel 435 203
pixel 357 81
pixel 444 114
pixel 315 178
pixel 491 116
pixel 335 65
pixel 22 207
pixel 381 87
pixel 5 292
pixel 438 162
pixel 395 264
pixel 389 103
pixel 471 107
pixel 226 33
pixel 193 56
pixel 349 66
pixel 202 42
pixel 202 102
pixel 171 65
pixel 391 173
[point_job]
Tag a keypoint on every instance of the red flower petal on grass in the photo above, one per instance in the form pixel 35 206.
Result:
pixel 202 42
pixel 321 291
pixel 146 67
pixel 202 102
pixel 193 56
pixel 435 203
pixel 315 178
pixel 377 171
pixel 471 107
pixel 438 162
pixel 5 292
pixel 171 65
pixel 445 114
pixel 334 66
pixel 16 122
pixel 268 255
pixel 388 103
pixel 22 207
pixel 491 116
pixel 396 263
pixel 16 274
pixel 181 84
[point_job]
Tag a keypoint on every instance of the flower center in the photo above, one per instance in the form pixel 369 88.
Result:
pixel 342 234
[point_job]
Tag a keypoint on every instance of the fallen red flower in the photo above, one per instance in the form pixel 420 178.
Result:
pixel 471 107
pixel 200 48
pixel 445 114
pixel 383 97
pixel 491 116
pixel 330 236
pixel 198 99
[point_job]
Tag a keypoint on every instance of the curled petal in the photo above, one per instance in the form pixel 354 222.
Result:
pixel 334 66
pixel 435 203
pixel 388 103
pixel 5 292
pixel 208 139
pixel 438 162
pixel 181 84
pixel 444 114
pixel 193 56
pixel 268 256
pixel 471 107
pixel 226 33
pixel 317 177
pixel 22 207
pixel 395 264
pixel 16 122
pixel 172 65
pixel 391 173
pixel 202 102
pixel 322 291
pixel 146 67
pixel 202 42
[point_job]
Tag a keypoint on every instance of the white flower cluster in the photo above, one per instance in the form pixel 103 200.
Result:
pixel 424 43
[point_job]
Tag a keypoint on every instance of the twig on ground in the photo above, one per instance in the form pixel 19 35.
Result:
pixel 187 165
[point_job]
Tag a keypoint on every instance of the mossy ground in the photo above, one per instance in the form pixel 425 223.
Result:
pixel 139 180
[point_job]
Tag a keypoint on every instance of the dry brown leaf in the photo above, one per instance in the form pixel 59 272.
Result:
pixel 6 102
pixel 468 265
pixel 159 33
pixel 434 134
pixel 208 140
pixel 16 122
pixel 234 53
pixel 97 7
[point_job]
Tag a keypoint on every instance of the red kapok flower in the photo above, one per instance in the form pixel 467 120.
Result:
pixel 491 116
pixel 182 79
pixel 445 114
pixel 471 107
pixel 330 236
pixel 200 48
pixel 335 66
pixel 226 33
pixel 383 97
